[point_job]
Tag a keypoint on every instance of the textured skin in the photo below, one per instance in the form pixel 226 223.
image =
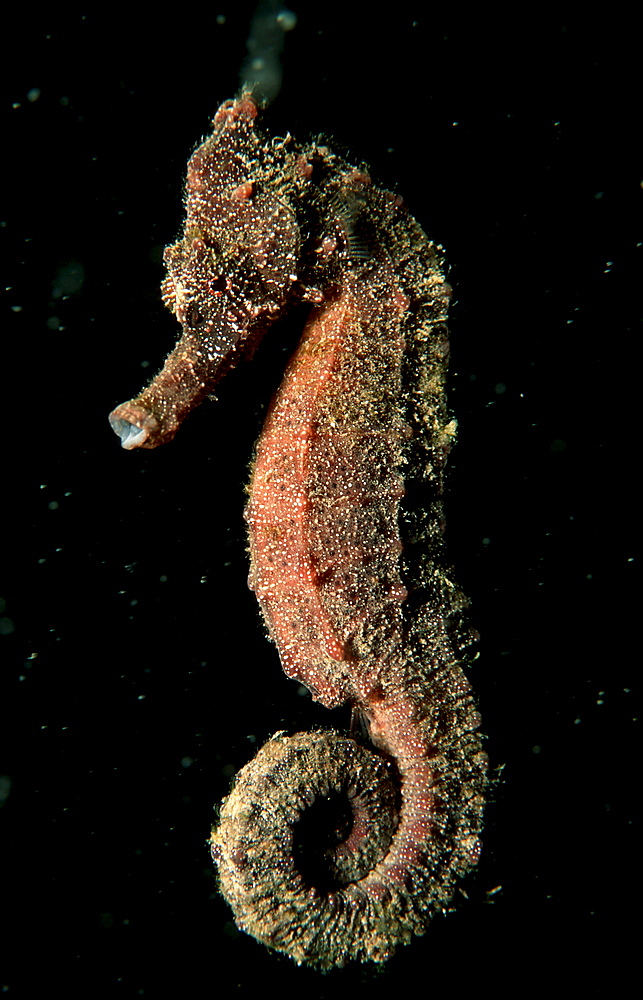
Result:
pixel 329 851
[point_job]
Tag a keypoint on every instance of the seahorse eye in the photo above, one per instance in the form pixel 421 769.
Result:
pixel 216 285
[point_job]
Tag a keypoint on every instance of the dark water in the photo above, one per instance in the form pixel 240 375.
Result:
pixel 135 676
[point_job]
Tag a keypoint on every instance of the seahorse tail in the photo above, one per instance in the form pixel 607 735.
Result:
pixel 330 852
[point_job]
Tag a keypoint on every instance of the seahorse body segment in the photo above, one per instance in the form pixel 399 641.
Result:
pixel 327 850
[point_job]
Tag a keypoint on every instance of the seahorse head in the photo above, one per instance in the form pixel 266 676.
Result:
pixel 229 275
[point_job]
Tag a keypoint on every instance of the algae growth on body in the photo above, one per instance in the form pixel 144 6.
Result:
pixel 332 848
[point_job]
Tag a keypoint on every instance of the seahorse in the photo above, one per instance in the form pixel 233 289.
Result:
pixel 331 847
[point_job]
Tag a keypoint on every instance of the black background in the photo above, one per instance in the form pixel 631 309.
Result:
pixel 135 677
